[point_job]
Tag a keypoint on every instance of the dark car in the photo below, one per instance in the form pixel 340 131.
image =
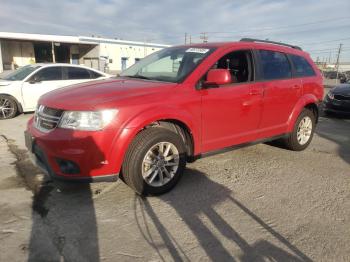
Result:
pixel 338 100
pixel 334 75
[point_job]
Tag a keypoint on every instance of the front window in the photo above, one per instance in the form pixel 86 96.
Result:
pixel 21 73
pixel 172 64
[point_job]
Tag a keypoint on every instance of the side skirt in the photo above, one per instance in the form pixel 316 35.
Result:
pixel 235 147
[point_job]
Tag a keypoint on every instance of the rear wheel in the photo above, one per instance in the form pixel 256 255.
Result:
pixel 303 131
pixel 154 161
pixel 8 107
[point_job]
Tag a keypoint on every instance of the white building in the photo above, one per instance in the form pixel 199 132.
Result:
pixel 110 55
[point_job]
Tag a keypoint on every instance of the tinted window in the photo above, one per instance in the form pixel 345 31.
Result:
pixel 275 65
pixel 301 66
pixel 77 73
pixel 49 74
pixel 94 74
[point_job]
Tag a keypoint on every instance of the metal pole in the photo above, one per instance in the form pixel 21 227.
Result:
pixel 53 52
pixel 185 38
pixel 1 64
pixel 337 63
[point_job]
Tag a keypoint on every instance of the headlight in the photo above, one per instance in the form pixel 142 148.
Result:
pixel 87 120
pixel 330 95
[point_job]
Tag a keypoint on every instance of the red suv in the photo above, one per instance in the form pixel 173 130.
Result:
pixel 174 106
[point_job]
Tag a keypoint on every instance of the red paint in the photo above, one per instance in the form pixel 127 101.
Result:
pixel 216 117
pixel 218 77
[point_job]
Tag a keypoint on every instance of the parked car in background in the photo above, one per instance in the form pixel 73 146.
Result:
pixel 21 89
pixel 175 106
pixel 338 100
pixel 333 75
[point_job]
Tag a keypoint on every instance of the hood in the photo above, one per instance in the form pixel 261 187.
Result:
pixel 102 93
pixel 343 89
pixel 5 82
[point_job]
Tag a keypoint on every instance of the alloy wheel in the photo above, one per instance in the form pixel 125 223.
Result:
pixel 160 164
pixel 6 108
pixel 304 130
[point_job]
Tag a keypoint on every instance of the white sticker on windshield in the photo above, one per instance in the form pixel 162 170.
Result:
pixel 197 50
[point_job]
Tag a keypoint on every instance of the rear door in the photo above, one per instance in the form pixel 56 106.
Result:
pixel 281 91
pixel 231 113
pixel 45 80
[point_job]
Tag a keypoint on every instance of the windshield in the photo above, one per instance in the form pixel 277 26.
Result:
pixel 172 64
pixel 21 73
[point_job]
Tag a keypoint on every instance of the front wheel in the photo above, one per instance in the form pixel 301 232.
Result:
pixel 154 161
pixel 303 131
pixel 8 107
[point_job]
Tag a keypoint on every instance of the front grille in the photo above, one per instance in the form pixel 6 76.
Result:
pixel 341 97
pixel 46 118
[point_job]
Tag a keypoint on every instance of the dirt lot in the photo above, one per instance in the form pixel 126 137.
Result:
pixel 253 204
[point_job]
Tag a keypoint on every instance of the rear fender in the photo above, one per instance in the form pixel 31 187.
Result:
pixel 300 105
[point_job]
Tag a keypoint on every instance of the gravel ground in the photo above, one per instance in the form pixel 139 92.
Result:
pixel 259 203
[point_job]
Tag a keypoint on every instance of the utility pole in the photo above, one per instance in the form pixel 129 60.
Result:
pixel 337 63
pixel 190 39
pixel 185 38
pixel 204 37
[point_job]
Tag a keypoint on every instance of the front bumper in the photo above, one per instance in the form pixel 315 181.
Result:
pixel 72 155
pixel 337 106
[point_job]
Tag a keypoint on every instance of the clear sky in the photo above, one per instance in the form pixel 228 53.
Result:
pixel 318 26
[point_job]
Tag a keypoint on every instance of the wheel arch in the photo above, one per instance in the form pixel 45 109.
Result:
pixel 127 134
pixel 308 101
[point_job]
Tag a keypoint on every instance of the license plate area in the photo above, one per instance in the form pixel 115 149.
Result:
pixel 29 141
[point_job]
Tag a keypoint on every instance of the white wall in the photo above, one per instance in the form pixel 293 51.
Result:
pixel 117 51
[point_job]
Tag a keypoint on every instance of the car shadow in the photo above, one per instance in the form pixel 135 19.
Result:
pixel 64 222
pixel 192 205
pixel 336 128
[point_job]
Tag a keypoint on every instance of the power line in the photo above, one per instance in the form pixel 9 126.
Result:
pixel 281 27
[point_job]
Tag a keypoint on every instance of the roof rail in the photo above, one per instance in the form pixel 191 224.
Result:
pixel 270 42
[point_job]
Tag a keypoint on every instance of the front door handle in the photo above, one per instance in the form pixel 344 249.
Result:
pixel 296 87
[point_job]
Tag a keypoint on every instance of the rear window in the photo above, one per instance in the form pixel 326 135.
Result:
pixel 301 66
pixel 77 73
pixel 274 65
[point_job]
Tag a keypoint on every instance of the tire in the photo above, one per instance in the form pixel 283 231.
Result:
pixel 149 151
pixel 8 107
pixel 295 140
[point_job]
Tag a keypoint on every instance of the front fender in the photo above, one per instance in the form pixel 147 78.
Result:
pixel 299 106
pixel 126 134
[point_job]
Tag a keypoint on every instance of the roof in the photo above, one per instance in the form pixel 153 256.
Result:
pixel 44 38
pixel 245 44
pixel 73 39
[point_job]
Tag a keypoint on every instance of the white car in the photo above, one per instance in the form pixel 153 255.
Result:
pixel 21 89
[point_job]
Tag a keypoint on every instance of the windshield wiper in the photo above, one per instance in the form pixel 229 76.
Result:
pixel 139 77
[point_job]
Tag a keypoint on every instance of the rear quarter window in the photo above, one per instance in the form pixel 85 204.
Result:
pixel 77 73
pixel 274 65
pixel 302 67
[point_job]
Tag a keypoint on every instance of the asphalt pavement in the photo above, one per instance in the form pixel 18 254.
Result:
pixel 259 203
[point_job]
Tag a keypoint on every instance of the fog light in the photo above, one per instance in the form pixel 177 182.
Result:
pixel 68 167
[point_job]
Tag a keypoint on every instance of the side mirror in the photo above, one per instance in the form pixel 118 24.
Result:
pixel 34 80
pixel 217 77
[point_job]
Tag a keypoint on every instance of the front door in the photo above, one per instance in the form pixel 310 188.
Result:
pixel 45 80
pixel 231 113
